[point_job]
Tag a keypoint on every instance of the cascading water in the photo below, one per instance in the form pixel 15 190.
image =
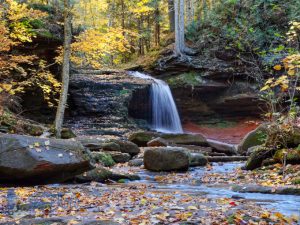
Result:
pixel 165 116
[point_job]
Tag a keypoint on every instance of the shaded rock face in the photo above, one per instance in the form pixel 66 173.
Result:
pixel 166 159
pixel 214 85
pixel 31 160
pixel 100 102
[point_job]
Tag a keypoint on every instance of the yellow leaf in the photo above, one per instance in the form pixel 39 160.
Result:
pixel 266 87
pixel 291 72
pixel 265 215
pixel 277 67
pixel 192 207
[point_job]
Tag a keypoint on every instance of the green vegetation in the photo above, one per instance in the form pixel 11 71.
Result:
pixel 185 79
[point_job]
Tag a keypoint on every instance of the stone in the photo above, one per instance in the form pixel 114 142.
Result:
pixel 254 138
pixel 157 142
pixel 226 158
pixel 32 160
pixel 198 159
pixel 258 156
pixel 128 147
pixel 111 146
pixel 142 138
pixel 120 157
pixel 67 133
pixel 101 174
pixel 221 147
pixel 166 159
pixel 104 158
pixel 185 139
pixel 136 162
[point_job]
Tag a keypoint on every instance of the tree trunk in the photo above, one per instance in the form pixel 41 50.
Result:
pixel 171 15
pixel 190 11
pixel 179 27
pixel 157 25
pixel 65 69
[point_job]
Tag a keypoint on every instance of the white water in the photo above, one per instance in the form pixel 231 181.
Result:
pixel 165 116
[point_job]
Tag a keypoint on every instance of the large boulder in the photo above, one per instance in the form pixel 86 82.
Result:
pixel 25 159
pixel 198 159
pixel 254 138
pixel 166 159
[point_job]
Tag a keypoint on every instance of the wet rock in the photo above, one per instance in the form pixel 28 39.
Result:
pixel 94 144
pixel 142 138
pixel 258 156
pixel 198 149
pixel 226 158
pixel 120 157
pixel 136 162
pixel 103 158
pixel 157 142
pixel 221 147
pixel 26 159
pixel 166 159
pixel 254 138
pixel 198 159
pixel 101 175
pixel 252 188
pixel 185 139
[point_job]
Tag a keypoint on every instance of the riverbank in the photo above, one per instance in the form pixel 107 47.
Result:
pixel 155 199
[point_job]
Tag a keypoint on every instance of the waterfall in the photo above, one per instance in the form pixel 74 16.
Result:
pixel 165 116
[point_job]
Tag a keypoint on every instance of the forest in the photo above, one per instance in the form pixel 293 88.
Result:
pixel 149 112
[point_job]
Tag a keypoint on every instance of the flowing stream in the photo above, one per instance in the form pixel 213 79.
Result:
pixel 165 117
pixel 286 204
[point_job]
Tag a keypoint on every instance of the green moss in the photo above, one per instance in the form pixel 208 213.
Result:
pixel 293 156
pixel 296 180
pixel 185 79
pixel 103 158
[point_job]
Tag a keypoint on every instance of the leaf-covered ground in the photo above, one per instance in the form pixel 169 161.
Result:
pixel 130 204
pixel 271 176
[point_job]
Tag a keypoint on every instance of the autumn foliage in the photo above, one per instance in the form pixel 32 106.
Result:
pixel 20 72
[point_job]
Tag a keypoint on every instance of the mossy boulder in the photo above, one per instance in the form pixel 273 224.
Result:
pixel 102 174
pixel 104 158
pixel 33 129
pixel 257 158
pixel 254 138
pixel 67 133
pixel 292 156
